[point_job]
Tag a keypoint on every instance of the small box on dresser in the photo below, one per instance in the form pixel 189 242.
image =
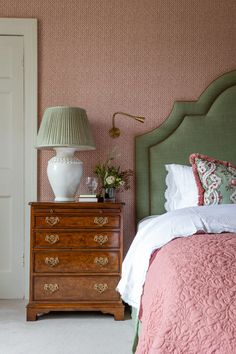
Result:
pixel 76 252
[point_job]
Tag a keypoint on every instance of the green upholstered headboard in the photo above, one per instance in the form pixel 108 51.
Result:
pixel 207 126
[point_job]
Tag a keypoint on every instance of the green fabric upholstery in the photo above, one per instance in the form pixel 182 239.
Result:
pixel 206 126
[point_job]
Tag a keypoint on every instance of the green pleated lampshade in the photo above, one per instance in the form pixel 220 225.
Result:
pixel 65 127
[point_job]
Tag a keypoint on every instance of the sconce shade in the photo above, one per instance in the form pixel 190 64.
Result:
pixel 65 127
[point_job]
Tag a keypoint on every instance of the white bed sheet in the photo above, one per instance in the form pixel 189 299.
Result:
pixel 156 231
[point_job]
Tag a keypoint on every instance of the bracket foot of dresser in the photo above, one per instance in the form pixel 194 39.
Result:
pixel 31 314
pixel 33 311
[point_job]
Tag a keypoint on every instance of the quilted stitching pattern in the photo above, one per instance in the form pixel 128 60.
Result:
pixel 189 300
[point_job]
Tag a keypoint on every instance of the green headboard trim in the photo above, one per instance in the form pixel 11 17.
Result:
pixel 207 126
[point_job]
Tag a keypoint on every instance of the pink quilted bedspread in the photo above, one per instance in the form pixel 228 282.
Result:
pixel 189 298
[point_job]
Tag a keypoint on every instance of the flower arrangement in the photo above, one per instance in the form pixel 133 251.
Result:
pixel 111 176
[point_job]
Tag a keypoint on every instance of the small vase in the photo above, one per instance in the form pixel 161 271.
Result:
pixel 110 195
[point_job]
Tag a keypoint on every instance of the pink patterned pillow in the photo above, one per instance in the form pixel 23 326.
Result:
pixel 216 180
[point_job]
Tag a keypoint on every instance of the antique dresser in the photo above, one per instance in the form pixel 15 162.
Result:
pixel 76 253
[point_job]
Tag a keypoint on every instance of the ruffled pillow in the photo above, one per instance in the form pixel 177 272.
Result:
pixel 216 180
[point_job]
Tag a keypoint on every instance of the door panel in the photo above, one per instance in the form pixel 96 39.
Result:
pixel 11 167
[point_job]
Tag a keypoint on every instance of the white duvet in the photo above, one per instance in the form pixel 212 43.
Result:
pixel 156 231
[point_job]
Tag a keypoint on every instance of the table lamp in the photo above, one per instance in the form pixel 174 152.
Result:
pixel 65 130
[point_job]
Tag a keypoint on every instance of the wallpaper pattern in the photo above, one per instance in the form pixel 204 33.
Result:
pixel 138 56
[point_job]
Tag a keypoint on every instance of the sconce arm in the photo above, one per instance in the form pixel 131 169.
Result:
pixel 114 131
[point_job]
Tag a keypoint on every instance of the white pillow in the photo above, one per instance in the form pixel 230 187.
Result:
pixel 181 189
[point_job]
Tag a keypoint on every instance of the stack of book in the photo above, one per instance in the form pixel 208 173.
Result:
pixel 88 198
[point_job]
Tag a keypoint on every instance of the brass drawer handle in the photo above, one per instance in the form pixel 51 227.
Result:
pixel 101 239
pixel 52 239
pixel 101 261
pixel 52 220
pixel 100 220
pixel 100 288
pixel 51 288
pixel 51 261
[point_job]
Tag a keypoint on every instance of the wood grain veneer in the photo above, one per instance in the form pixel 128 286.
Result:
pixel 76 253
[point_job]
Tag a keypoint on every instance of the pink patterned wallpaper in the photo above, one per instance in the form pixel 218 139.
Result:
pixel 130 55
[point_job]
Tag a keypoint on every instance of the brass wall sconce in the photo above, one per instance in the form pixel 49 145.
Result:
pixel 114 131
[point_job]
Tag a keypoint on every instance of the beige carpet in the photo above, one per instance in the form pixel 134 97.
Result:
pixel 62 333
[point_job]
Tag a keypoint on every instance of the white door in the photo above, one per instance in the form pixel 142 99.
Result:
pixel 11 167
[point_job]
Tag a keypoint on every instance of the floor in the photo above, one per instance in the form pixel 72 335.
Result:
pixel 62 333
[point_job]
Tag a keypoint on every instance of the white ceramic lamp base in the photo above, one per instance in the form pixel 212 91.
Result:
pixel 64 174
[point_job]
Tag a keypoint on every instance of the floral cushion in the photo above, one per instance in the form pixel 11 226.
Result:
pixel 216 180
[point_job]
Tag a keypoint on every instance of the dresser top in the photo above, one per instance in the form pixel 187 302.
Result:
pixel 78 205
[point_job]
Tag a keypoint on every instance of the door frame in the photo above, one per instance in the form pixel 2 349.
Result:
pixel 28 29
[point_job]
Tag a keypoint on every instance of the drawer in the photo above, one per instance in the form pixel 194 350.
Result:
pixel 76 221
pixel 81 208
pixel 76 239
pixel 76 262
pixel 76 288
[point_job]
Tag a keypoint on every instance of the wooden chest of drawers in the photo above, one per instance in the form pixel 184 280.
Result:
pixel 76 255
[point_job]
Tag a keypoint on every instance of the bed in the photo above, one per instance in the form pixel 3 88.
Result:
pixel 180 272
